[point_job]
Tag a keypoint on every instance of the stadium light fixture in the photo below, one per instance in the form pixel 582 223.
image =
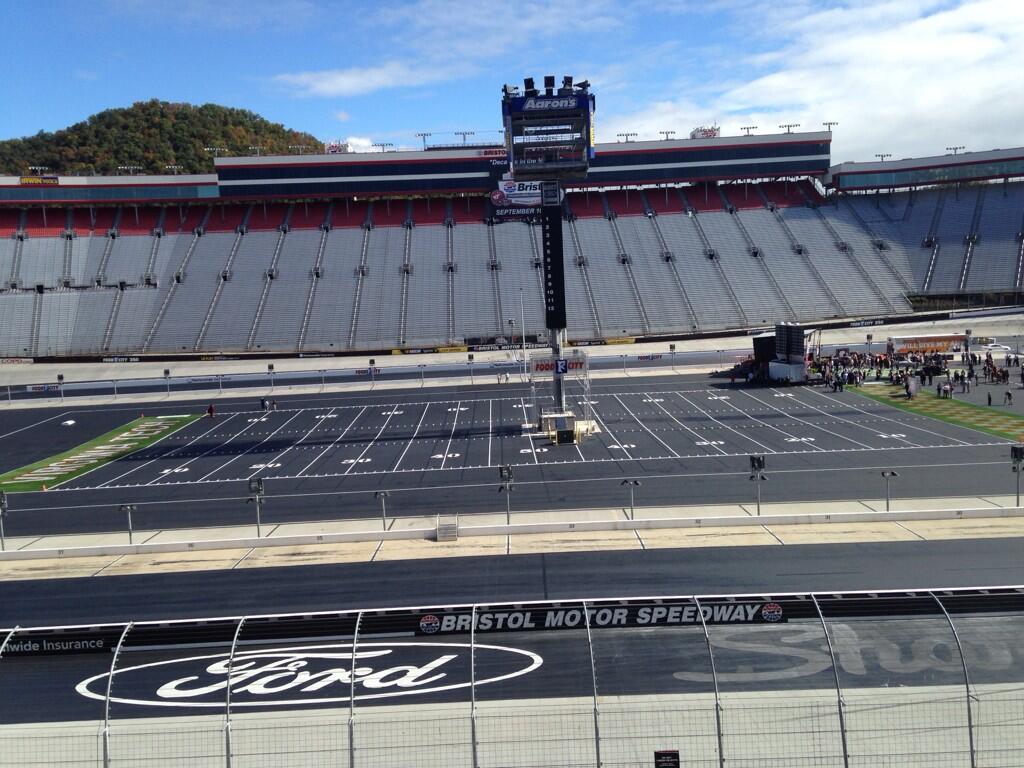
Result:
pixel 173 168
pixel 300 148
pixel 789 126
pixel 883 155
pixel 667 134
pixel 257 148
pixel 383 145
pixel 955 149
pixel 129 169
pixel 748 129
pixel 464 134
pixel 424 135
pixel 39 168
pixel 626 136
pixel 215 151
pixel 829 124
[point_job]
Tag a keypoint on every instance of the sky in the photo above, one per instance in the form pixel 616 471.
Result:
pixel 902 77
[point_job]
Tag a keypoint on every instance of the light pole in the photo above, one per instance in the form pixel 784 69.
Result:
pixel 626 136
pixel 383 145
pixel 383 496
pixel 522 332
pixel 748 129
pixel 256 148
pixel 256 489
pixel 632 485
pixel 60 384
pixel 464 134
pixel 299 147
pixel 270 373
pixel 469 359
pixel 512 335
pixel 507 479
pixel 889 474
pixel 424 135
pixel 3 514
pixel 667 134
pixel 883 155
pixel 829 124
pixel 758 476
pixel 1017 455
pixel 173 168
pixel 39 169
pixel 789 126
pixel 128 509
pixel 955 149
pixel 129 169
pixel 215 151
pixel 167 380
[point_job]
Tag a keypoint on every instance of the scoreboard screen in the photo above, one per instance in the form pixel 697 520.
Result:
pixel 549 134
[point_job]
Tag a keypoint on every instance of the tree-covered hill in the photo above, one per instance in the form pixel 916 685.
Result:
pixel 152 135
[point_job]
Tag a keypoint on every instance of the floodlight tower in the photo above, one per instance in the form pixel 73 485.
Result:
pixel 548 138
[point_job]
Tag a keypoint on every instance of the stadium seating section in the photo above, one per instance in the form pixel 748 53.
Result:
pixel 332 276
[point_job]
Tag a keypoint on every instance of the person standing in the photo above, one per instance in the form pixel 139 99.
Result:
pixel 209 411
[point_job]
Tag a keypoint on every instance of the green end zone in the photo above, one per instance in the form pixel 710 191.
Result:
pixel 133 436
pixel 993 420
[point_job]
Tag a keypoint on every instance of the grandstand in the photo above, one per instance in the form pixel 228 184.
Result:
pixel 288 259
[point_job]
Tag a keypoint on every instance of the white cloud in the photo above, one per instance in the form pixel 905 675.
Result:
pixel 908 77
pixel 356 81
pixel 342 116
pixel 360 143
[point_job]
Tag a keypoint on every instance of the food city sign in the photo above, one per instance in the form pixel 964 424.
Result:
pixel 304 675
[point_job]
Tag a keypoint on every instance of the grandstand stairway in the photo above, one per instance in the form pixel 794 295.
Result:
pixel 668 257
pixel 800 250
pixel 626 260
pixel 179 277
pixel 878 243
pixel 406 272
pixel 972 239
pixel 268 281
pixel 850 252
pixel 14 279
pixel 361 271
pixel 108 332
pixel 225 275
pixel 1020 259
pixel 316 273
pixel 494 267
pixel 581 264
pixel 37 313
pixel 712 255
pixel 450 281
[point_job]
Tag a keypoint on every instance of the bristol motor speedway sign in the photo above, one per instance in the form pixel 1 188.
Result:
pixel 518 194
pixel 309 675
pixel 612 616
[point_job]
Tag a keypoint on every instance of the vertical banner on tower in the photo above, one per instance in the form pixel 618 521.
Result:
pixel 554 269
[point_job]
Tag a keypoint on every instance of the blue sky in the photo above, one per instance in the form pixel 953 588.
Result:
pixel 908 77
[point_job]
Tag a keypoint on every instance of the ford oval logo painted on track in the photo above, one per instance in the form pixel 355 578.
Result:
pixel 309 674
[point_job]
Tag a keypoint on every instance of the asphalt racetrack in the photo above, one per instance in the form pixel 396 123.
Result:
pixel 324 456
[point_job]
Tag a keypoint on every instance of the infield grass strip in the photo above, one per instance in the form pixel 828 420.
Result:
pixel 982 418
pixel 134 436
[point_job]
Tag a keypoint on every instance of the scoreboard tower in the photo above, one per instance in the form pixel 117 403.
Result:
pixel 549 138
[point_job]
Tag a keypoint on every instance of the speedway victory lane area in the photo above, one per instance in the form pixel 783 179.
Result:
pixel 323 457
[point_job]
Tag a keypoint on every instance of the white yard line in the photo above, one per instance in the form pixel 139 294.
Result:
pixel 333 442
pixel 319 423
pixel 370 444
pixel 826 430
pixel 672 450
pixel 897 421
pixel 451 437
pixel 204 453
pixel 872 430
pixel 723 425
pixel 411 439
pixel 247 450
